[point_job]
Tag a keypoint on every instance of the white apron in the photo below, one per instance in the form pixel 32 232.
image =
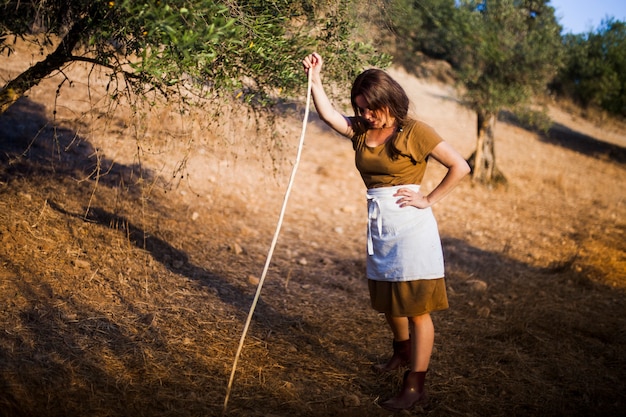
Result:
pixel 403 243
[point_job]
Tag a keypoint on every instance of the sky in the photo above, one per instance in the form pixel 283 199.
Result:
pixel 581 16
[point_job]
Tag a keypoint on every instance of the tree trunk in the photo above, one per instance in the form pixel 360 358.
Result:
pixel 17 87
pixel 483 162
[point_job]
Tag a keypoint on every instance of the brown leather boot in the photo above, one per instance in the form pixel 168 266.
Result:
pixel 412 393
pixel 401 357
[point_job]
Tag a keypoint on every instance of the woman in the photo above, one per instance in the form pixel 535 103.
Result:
pixel 405 260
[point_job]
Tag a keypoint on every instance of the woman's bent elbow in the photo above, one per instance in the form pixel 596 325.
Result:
pixel 465 168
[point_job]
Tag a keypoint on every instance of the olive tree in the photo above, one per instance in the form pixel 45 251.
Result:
pixel 503 52
pixel 510 50
pixel 594 73
pixel 161 45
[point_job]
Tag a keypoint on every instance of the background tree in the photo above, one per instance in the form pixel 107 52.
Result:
pixel 424 26
pixel 164 45
pixel 503 52
pixel 594 73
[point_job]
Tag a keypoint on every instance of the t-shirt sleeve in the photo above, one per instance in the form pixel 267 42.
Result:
pixel 421 140
pixel 359 136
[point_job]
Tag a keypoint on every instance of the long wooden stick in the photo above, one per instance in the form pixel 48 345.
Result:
pixel 272 246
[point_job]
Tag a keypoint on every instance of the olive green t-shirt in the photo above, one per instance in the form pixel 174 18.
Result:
pixel 415 142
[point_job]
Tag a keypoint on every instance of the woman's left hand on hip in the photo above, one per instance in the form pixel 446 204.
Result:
pixel 411 198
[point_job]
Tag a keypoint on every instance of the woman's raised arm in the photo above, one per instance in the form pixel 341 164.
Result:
pixel 340 123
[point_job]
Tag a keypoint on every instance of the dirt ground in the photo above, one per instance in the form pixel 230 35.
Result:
pixel 132 244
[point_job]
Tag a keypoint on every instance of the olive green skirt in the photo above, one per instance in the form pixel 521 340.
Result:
pixel 408 298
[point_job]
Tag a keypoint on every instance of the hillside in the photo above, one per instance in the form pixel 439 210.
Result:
pixel 132 244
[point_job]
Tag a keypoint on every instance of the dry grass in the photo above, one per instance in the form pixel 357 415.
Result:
pixel 127 296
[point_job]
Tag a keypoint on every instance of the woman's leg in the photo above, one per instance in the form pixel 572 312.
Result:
pixel 399 327
pixel 422 330
pixel 422 341
pixel 401 345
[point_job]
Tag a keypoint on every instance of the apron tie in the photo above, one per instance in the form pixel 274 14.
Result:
pixel 373 212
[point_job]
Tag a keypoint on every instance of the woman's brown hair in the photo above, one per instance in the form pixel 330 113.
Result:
pixel 380 91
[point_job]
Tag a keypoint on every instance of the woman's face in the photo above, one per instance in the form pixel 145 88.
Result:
pixel 376 118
